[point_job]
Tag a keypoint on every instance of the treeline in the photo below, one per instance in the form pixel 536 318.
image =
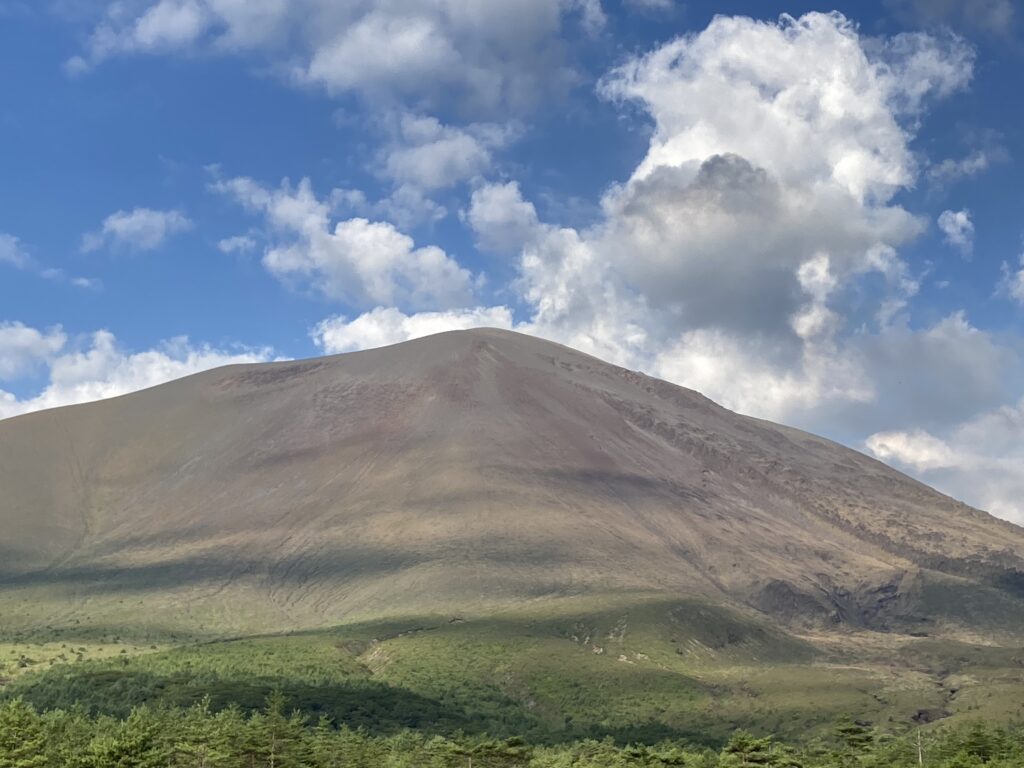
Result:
pixel 274 737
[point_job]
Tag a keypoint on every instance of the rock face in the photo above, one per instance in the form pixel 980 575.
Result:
pixel 461 473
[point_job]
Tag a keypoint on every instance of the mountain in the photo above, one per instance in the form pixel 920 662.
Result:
pixel 483 531
pixel 465 473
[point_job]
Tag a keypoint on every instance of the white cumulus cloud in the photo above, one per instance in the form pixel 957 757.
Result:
pixel 358 261
pixel 765 194
pixel 140 229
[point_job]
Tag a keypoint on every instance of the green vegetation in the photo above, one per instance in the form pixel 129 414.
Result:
pixel 638 671
pixel 275 737
pixel 578 683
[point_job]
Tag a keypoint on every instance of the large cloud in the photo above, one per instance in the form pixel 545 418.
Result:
pixel 102 369
pixel 480 55
pixel 764 199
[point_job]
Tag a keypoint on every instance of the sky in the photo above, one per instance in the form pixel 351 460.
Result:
pixel 811 214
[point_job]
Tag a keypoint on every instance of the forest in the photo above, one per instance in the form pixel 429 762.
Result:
pixel 276 736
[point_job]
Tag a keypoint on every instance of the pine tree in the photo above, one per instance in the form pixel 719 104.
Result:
pixel 67 737
pixel 277 740
pixel 745 749
pixel 856 739
pixel 142 740
pixel 22 738
pixel 201 740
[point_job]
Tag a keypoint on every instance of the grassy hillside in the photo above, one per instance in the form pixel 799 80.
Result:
pixel 633 668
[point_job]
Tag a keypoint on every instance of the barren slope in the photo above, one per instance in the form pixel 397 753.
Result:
pixel 461 473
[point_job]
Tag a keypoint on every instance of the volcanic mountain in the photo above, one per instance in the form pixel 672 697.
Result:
pixel 462 474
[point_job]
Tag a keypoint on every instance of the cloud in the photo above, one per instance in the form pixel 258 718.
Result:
pixel 236 244
pixel 12 252
pixel 486 54
pixel 422 157
pixel 502 221
pixel 980 460
pixel 936 375
pixel 407 206
pixel 429 155
pixel 163 26
pixel 775 147
pixel 917 449
pixel 59 275
pixel 87 283
pixel 997 17
pixel 141 229
pixel 356 261
pixel 383 326
pixel 958 231
pixel 102 369
pixel 1012 283
pixel 22 348
pixel 950 169
pixel 476 55
pixel 651 5
pixel 974 163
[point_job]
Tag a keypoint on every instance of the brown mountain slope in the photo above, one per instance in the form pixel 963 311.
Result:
pixel 464 472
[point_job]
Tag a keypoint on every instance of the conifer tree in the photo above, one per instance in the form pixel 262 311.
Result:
pixel 201 739
pixel 276 739
pixel 22 738
pixel 745 749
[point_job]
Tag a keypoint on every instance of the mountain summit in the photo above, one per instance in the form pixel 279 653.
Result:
pixel 463 473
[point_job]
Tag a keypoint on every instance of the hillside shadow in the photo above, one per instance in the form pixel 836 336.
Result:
pixel 375 706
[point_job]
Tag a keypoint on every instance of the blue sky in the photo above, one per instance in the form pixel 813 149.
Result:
pixel 811 214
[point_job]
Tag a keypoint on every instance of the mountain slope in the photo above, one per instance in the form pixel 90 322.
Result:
pixel 465 473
